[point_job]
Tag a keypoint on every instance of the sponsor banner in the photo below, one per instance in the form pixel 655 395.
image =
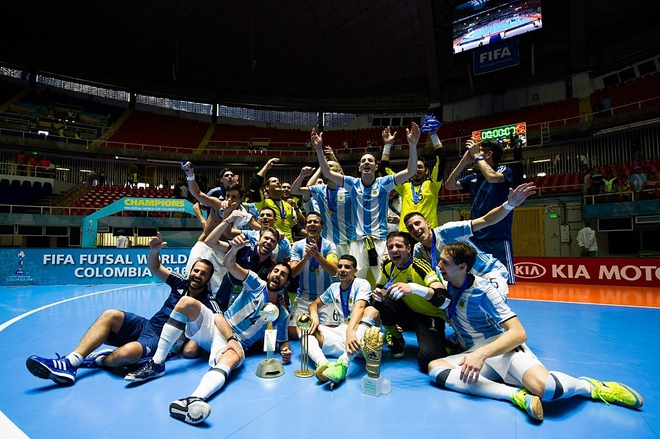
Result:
pixel 642 272
pixel 84 266
pixel 154 204
pixel 496 57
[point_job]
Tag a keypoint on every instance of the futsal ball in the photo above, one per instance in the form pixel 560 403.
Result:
pixel 270 312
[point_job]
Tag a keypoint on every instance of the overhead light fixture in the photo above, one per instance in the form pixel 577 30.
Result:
pixel 541 161
pixel 85 170
pixel 62 169
pixel 541 174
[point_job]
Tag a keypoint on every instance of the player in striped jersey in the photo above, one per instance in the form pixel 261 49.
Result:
pixel 431 240
pixel 333 203
pixel 340 337
pixel 409 294
pixel 224 336
pixel 370 196
pixel 314 259
pixel 496 350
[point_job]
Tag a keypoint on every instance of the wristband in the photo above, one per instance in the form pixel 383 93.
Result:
pixel 478 159
pixel 387 148
pixel 420 290
pixel 435 139
pixel 233 337
pixel 190 177
pixel 507 206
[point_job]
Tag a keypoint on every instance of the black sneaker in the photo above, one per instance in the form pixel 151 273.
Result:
pixel 192 410
pixel 396 345
pixel 148 371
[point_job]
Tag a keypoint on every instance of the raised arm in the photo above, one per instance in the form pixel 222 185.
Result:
pixel 234 269
pixel 153 262
pixel 297 188
pixel 200 196
pixel 257 181
pixel 317 142
pixel 214 240
pixel 406 174
pixel 516 197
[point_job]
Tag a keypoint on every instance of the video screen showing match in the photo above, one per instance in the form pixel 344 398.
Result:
pixel 477 23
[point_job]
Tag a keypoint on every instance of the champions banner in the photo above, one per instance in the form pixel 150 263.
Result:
pixel 53 266
pixel 626 272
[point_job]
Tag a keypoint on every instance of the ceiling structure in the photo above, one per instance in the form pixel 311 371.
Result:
pixel 319 55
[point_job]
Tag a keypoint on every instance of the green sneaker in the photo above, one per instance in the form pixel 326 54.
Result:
pixel 319 371
pixel 336 371
pixel 528 402
pixel 613 392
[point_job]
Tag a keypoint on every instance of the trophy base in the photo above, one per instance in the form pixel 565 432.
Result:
pixel 270 368
pixel 375 386
pixel 300 373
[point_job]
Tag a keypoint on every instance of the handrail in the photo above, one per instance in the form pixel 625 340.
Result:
pixel 235 147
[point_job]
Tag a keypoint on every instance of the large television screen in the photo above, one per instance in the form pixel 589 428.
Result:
pixel 480 22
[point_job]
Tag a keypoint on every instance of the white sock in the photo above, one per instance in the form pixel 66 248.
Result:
pixel 75 359
pixel 560 386
pixel 314 350
pixel 482 387
pixel 212 381
pixel 347 358
pixel 170 334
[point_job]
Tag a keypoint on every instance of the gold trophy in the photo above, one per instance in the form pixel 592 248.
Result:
pixel 304 322
pixel 270 367
pixel 372 350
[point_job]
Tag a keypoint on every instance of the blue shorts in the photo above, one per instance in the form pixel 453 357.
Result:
pixel 136 328
pixel 502 250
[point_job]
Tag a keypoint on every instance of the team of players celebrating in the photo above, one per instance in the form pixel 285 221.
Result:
pixel 351 275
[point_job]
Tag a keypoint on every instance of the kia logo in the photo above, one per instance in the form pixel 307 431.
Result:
pixel 529 270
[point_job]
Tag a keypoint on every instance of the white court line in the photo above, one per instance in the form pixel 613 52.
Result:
pixel 8 429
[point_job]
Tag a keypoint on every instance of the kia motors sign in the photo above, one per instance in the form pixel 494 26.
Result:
pixel 643 272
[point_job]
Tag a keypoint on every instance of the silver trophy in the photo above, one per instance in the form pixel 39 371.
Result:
pixel 304 322
pixel 270 367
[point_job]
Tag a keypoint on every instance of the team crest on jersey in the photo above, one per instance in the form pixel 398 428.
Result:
pixel 462 304
pixel 181 291
pixel 409 279
pixel 341 198
pixel 374 193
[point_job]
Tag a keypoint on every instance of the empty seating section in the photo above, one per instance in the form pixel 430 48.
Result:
pixel 233 138
pixel 99 197
pixel 152 132
pixel 22 193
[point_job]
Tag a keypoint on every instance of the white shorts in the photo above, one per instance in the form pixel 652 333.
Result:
pixel 359 250
pixel 509 367
pixel 203 331
pixel 202 251
pixel 301 306
pixel 334 338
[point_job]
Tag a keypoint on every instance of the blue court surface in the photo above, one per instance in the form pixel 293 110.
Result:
pixel 602 341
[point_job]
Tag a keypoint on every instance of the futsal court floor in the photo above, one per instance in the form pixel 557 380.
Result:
pixel 610 333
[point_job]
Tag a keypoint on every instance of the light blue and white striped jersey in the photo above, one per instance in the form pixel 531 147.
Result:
pixel 336 207
pixel 283 249
pixel 456 231
pixel 371 205
pixel 244 315
pixel 360 290
pixel 479 312
pixel 313 280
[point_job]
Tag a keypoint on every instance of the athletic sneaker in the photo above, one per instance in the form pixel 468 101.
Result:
pixel 528 402
pixel 149 371
pixel 90 360
pixel 319 371
pixel 57 369
pixel 613 392
pixel 336 371
pixel 192 410
pixel 396 345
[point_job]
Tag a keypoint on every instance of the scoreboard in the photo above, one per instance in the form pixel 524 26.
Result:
pixel 504 134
